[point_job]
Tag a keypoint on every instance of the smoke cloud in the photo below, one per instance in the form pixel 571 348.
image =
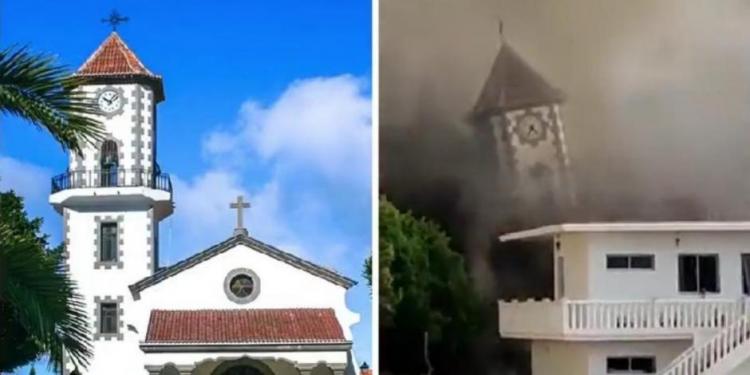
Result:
pixel 658 106
pixel 657 116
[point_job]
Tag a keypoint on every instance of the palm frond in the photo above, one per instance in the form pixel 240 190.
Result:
pixel 44 299
pixel 34 88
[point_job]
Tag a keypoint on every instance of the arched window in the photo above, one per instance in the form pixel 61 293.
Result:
pixel 169 369
pixel 109 162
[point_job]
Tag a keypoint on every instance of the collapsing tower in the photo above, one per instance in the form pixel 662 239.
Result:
pixel 517 118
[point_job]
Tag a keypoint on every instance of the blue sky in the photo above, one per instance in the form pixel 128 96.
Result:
pixel 264 98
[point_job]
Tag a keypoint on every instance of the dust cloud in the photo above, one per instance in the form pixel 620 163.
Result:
pixel 657 115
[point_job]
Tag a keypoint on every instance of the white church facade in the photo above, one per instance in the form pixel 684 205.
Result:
pixel 240 307
pixel 639 298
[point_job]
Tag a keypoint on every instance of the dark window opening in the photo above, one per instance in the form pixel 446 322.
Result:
pixel 108 316
pixel 108 247
pixel 746 274
pixel 630 262
pixel 631 365
pixel 242 285
pixel 642 262
pixel 699 273
pixel 617 262
pixel 109 162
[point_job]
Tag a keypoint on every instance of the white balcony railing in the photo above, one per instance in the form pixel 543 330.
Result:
pixel 586 318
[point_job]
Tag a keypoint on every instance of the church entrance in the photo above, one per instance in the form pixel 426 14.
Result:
pixel 242 370
pixel 243 366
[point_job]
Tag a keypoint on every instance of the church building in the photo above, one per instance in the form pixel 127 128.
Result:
pixel 240 307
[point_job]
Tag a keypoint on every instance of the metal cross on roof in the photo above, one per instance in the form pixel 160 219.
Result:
pixel 239 205
pixel 115 19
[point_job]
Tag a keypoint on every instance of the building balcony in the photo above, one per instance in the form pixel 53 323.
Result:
pixel 588 320
pixel 113 186
pixel 111 178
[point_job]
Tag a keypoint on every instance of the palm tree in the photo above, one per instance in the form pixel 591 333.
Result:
pixel 35 88
pixel 40 311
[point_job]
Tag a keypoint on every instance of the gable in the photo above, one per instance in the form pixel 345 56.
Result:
pixel 247 243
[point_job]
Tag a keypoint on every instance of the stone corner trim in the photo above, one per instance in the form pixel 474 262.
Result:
pixel 119 219
pixel 97 318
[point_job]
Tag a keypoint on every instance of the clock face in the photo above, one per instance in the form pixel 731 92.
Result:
pixel 109 101
pixel 531 129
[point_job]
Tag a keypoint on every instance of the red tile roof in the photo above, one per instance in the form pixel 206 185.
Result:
pixel 113 58
pixel 244 326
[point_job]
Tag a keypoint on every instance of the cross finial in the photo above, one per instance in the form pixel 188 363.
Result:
pixel 115 19
pixel 239 205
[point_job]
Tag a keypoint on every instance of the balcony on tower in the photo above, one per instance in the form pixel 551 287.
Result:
pixel 113 185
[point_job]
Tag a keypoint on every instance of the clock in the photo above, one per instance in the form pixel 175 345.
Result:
pixel 110 101
pixel 531 129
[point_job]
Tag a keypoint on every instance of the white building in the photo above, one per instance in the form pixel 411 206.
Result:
pixel 238 307
pixel 659 298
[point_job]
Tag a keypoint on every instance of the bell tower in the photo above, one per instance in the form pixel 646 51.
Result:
pixel 517 116
pixel 113 196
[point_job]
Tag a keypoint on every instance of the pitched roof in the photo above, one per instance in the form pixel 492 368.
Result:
pixel 512 84
pixel 252 243
pixel 113 57
pixel 114 61
pixel 262 326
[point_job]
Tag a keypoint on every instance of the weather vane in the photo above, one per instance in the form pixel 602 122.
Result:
pixel 114 19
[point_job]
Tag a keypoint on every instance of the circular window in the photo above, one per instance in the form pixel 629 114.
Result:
pixel 242 285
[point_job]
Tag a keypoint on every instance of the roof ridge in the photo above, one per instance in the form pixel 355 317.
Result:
pixel 124 51
pixel 253 244
pixel 95 53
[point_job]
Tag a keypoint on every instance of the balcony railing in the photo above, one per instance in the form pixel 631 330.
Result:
pixel 561 318
pixel 119 177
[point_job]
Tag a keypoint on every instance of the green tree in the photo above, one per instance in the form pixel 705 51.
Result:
pixel 424 288
pixel 367 271
pixel 35 88
pixel 40 311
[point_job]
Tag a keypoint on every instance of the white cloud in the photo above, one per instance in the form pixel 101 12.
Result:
pixel 202 214
pixel 318 128
pixel 28 180
pixel 321 124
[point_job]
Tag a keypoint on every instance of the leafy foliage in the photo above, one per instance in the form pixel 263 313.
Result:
pixel 40 311
pixel 367 271
pixel 33 87
pixel 424 287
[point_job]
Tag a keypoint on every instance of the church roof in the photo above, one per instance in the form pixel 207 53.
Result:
pixel 252 243
pixel 114 60
pixel 113 57
pixel 245 326
pixel 513 83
